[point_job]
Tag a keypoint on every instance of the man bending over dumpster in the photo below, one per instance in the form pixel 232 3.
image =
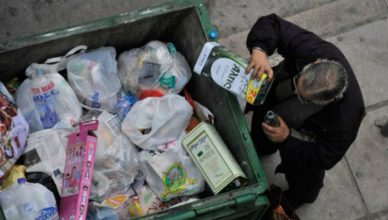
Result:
pixel 317 98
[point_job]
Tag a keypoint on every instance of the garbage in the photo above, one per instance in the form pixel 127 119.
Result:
pixel 78 174
pixel 153 70
pixel 93 76
pixel 170 172
pixel 101 213
pixel 16 172
pixel 14 130
pixel 117 169
pixel 145 202
pixel 156 121
pixel 118 180
pixel 124 105
pixel 118 202
pixel 228 70
pixel 213 158
pixel 47 181
pixel 29 201
pixel 46 99
pixel 46 153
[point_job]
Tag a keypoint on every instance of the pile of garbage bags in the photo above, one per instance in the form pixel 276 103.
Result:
pixel 140 165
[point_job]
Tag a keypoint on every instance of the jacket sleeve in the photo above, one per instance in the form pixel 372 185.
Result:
pixel 324 153
pixel 272 32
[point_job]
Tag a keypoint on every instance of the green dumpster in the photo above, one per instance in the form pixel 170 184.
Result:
pixel 186 24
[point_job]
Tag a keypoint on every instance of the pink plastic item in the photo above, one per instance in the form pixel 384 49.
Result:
pixel 78 173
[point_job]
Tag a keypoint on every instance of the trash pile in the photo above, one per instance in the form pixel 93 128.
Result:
pixel 103 142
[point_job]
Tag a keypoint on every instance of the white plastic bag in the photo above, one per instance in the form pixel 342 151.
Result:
pixel 28 201
pixel 174 80
pixel 93 76
pixel 156 121
pixel 116 163
pixel 171 173
pixel 156 66
pixel 45 98
pixel 13 131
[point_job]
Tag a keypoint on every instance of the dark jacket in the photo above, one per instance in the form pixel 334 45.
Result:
pixel 337 124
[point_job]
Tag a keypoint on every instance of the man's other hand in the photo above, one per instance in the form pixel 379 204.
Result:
pixel 276 134
pixel 259 64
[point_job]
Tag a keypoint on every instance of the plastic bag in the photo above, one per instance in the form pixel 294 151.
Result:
pixel 172 173
pixel 46 99
pixel 116 163
pixel 93 76
pixel 28 201
pixel 174 80
pixel 156 69
pixel 156 121
pixel 14 130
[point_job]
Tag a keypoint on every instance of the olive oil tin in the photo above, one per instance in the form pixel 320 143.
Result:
pixel 213 158
pixel 227 70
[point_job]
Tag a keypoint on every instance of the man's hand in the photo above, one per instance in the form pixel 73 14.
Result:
pixel 276 134
pixel 259 64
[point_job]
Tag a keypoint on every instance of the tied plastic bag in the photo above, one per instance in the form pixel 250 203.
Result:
pixel 46 99
pixel 93 76
pixel 155 69
pixel 172 173
pixel 13 131
pixel 28 201
pixel 174 80
pixel 116 164
pixel 156 121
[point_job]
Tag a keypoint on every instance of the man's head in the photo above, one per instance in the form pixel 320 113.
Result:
pixel 321 82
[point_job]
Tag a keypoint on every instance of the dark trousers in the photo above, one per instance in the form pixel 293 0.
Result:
pixel 304 183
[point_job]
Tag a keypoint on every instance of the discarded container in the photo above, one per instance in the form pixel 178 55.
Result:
pixel 211 155
pixel 186 24
pixel 228 71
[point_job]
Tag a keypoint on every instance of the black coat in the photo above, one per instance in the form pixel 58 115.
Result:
pixel 337 124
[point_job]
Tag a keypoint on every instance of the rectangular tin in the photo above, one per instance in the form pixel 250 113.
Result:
pixel 212 157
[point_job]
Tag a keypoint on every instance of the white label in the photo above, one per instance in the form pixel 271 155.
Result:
pixel 201 61
pixel 230 76
pixel 212 164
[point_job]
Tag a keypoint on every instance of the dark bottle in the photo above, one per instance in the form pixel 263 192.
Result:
pixel 271 118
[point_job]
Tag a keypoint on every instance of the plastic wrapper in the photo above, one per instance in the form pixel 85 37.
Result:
pixel 170 172
pixel 14 130
pixel 124 105
pixel 116 164
pixel 47 100
pixel 156 121
pixel 93 76
pixel 101 213
pixel 145 202
pixel 29 201
pixel 118 202
pixel 153 70
pixel 16 172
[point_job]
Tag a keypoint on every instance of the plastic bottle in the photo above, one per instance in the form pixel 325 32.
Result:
pixel 28 201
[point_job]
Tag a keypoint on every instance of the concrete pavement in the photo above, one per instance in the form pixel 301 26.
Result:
pixel 357 187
